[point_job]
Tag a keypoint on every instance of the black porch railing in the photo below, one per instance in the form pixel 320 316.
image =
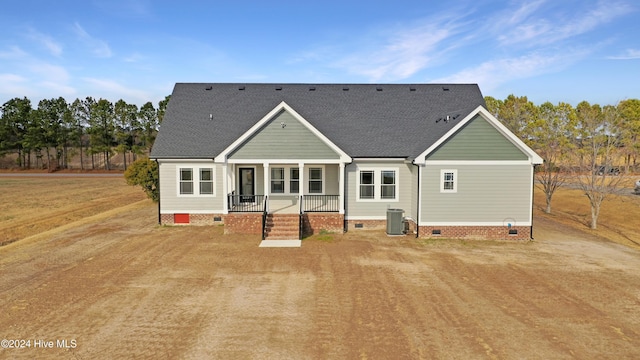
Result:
pixel 246 203
pixel 321 203
pixel 265 211
pixel 300 219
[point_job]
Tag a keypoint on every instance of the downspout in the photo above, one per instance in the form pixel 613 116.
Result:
pixel 533 188
pixel 159 215
pixel 345 225
pixel 413 162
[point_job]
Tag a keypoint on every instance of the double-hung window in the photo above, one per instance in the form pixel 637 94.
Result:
pixel 294 180
pixel 448 181
pixel 367 186
pixel 186 181
pixel 206 181
pixel 315 180
pixel 387 184
pixel 378 184
pixel 196 181
pixel 277 180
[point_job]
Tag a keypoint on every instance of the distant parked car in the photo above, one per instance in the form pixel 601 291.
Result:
pixel 608 170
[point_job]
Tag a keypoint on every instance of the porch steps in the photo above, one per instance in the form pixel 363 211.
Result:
pixel 282 227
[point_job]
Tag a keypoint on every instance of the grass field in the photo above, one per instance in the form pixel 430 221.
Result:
pixel 618 220
pixel 32 205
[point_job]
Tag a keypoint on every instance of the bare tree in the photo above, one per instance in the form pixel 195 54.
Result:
pixel 551 136
pixel 597 177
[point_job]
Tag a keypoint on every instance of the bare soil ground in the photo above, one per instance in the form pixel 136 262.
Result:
pixel 121 286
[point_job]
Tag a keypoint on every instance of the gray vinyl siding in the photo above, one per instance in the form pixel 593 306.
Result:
pixel 378 209
pixel 171 202
pixel 478 140
pixel 332 180
pixel 414 193
pixel 293 141
pixel 485 194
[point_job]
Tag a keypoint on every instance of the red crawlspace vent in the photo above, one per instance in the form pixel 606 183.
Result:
pixel 180 218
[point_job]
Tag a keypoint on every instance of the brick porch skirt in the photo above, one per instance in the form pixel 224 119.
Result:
pixel 313 223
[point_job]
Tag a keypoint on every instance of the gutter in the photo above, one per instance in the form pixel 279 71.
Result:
pixel 159 215
pixel 417 201
pixel 533 188
pixel 345 225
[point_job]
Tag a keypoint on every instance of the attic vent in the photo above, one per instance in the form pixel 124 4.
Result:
pixel 345 88
pixel 209 87
pixel 445 88
pixel 312 88
pixel 412 89
pixel 379 88
pixel 278 88
pixel 240 87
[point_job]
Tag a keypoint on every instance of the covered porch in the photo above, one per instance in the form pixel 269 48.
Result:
pixel 285 187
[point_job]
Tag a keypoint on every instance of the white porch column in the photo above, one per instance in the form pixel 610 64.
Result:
pixel 225 189
pixel 301 178
pixel 266 178
pixel 341 187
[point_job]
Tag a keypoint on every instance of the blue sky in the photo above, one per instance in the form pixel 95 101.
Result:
pixel 136 50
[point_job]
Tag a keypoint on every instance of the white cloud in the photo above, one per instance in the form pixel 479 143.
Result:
pixel 14 85
pixel 528 27
pixel 45 40
pixel 629 54
pixel 98 47
pixel 14 52
pixel 490 74
pixel 403 53
pixel 49 72
pixel 116 90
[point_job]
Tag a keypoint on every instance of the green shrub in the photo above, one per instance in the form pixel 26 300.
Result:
pixel 144 173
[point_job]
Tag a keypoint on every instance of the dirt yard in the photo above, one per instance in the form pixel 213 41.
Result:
pixel 116 285
pixel 35 204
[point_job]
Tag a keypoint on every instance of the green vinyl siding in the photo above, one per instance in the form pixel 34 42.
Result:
pixel 378 209
pixel 478 140
pixel 485 193
pixel 293 141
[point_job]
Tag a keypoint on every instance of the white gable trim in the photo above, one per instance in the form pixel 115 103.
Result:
pixel 480 110
pixel 223 156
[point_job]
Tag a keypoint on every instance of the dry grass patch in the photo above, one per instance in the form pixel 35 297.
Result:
pixel 618 220
pixel 33 205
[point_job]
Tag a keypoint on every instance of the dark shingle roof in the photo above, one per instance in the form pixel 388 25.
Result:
pixel 364 120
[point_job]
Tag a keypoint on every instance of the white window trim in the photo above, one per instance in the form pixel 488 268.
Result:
pixel 195 168
pixel 287 179
pixel 455 181
pixel 307 179
pixel 377 184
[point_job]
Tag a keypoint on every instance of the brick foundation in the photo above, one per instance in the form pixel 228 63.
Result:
pixel 194 219
pixel 476 232
pixel 312 223
pixel 243 223
pixel 366 225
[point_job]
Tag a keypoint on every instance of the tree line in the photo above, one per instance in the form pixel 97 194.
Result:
pixel 587 146
pixel 50 134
